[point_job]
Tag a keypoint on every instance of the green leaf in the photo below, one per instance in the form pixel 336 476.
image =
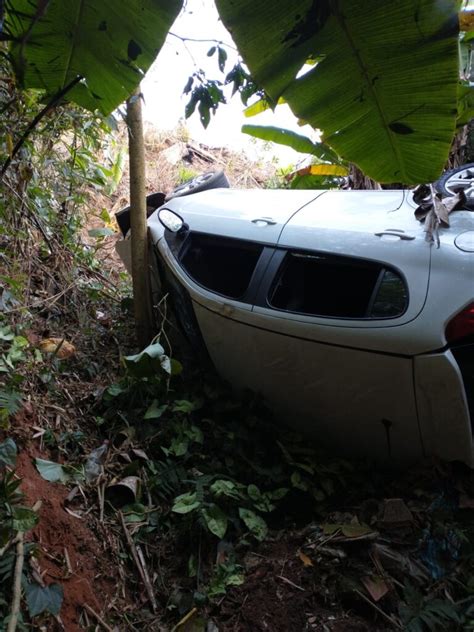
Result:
pixel 178 446
pixel 24 519
pixel 154 411
pixel 286 137
pixel 47 599
pixel 52 472
pixel 111 44
pixel 185 503
pixel 149 362
pixel 348 530
pixel 254 523
pixel 6 334
pixel 114 390
pixel 100 232
pixel 298 481
pixel 384 88
pixel 262 105
pixel 193 433
pixel 222 487
pixel 253 492
pixel 136 512
pixel 222 58
pixel 278 494
pixel 184 406
pixel 10 402
pixel 8 452
pixel 216 520
pixel 176 368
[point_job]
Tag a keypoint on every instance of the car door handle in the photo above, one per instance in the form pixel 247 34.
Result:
pixel 260 221
pixel 395 233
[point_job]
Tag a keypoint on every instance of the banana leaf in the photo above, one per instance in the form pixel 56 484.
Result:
pixel 384 91
pixel 286 137
pixel 109 43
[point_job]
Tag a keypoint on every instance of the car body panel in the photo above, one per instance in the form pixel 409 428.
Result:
pixel 387 388
pixel 255 214
pixel 442 407
pixel 379 227
pixel 368 409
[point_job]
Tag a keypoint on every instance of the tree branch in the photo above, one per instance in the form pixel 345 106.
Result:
pixel 49 106
pixel 204 41
pixel 20 556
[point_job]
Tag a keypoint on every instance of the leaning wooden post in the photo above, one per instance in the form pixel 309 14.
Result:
pixel 139 230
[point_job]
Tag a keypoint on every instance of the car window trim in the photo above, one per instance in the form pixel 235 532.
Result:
pixel 248 297
pixel 275 266
pixel 375 291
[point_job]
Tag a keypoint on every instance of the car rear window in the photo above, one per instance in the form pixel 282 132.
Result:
pixel 219 264
pixel 338 287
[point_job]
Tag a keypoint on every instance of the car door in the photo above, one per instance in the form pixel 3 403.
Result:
pixel 332 323
pixel 221 262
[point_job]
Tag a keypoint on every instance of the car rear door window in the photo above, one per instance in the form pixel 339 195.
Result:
pixel 219 264
pixel 337 287
pixel 391 297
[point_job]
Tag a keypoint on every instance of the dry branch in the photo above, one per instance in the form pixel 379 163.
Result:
pixel 141 568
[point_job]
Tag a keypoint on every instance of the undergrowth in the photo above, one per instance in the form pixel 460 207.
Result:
pixel 200 477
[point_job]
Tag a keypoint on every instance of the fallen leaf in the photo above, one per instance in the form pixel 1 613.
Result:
pixel 60 347
pixel 349 531
pixel 305 559
pixel 356 530
pixel 52 472
pixel 376 586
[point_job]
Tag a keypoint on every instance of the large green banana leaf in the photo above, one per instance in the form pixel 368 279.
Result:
pixel 110 43
pixel 287 137
pixel 384 88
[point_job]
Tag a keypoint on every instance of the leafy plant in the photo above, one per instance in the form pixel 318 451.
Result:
pixel 10 403
pixel 420 613
pixel 95 55
pixel 225 575
pixel 374 75
pixel 43 598
pixel 205 94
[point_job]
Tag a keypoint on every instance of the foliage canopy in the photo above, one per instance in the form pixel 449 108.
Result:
pixel 109 44
pixel 379 79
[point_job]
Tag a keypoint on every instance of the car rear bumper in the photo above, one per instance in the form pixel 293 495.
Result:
pixel 444 390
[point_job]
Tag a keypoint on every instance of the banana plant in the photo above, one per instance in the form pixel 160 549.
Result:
pixel 383 80
pixel 92 53
pixel 327 164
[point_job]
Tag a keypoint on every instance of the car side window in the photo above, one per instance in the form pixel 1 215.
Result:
pixel 219 264
pixel 391 297
pixel 337 287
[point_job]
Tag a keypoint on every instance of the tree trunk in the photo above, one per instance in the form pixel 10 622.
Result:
pixel 139 229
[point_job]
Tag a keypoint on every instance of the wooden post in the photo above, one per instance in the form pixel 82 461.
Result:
pixel 139 229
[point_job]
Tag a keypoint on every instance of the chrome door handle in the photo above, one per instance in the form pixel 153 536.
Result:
pixel 395 233
pixel 264 220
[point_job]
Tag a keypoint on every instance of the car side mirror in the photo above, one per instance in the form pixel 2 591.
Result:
pixel 172 221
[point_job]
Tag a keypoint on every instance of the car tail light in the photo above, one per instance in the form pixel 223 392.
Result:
pixel 462 325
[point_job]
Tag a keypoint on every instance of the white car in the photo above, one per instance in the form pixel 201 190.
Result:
pixel 334 307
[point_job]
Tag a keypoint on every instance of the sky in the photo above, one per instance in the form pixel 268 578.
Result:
pixel 163 86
